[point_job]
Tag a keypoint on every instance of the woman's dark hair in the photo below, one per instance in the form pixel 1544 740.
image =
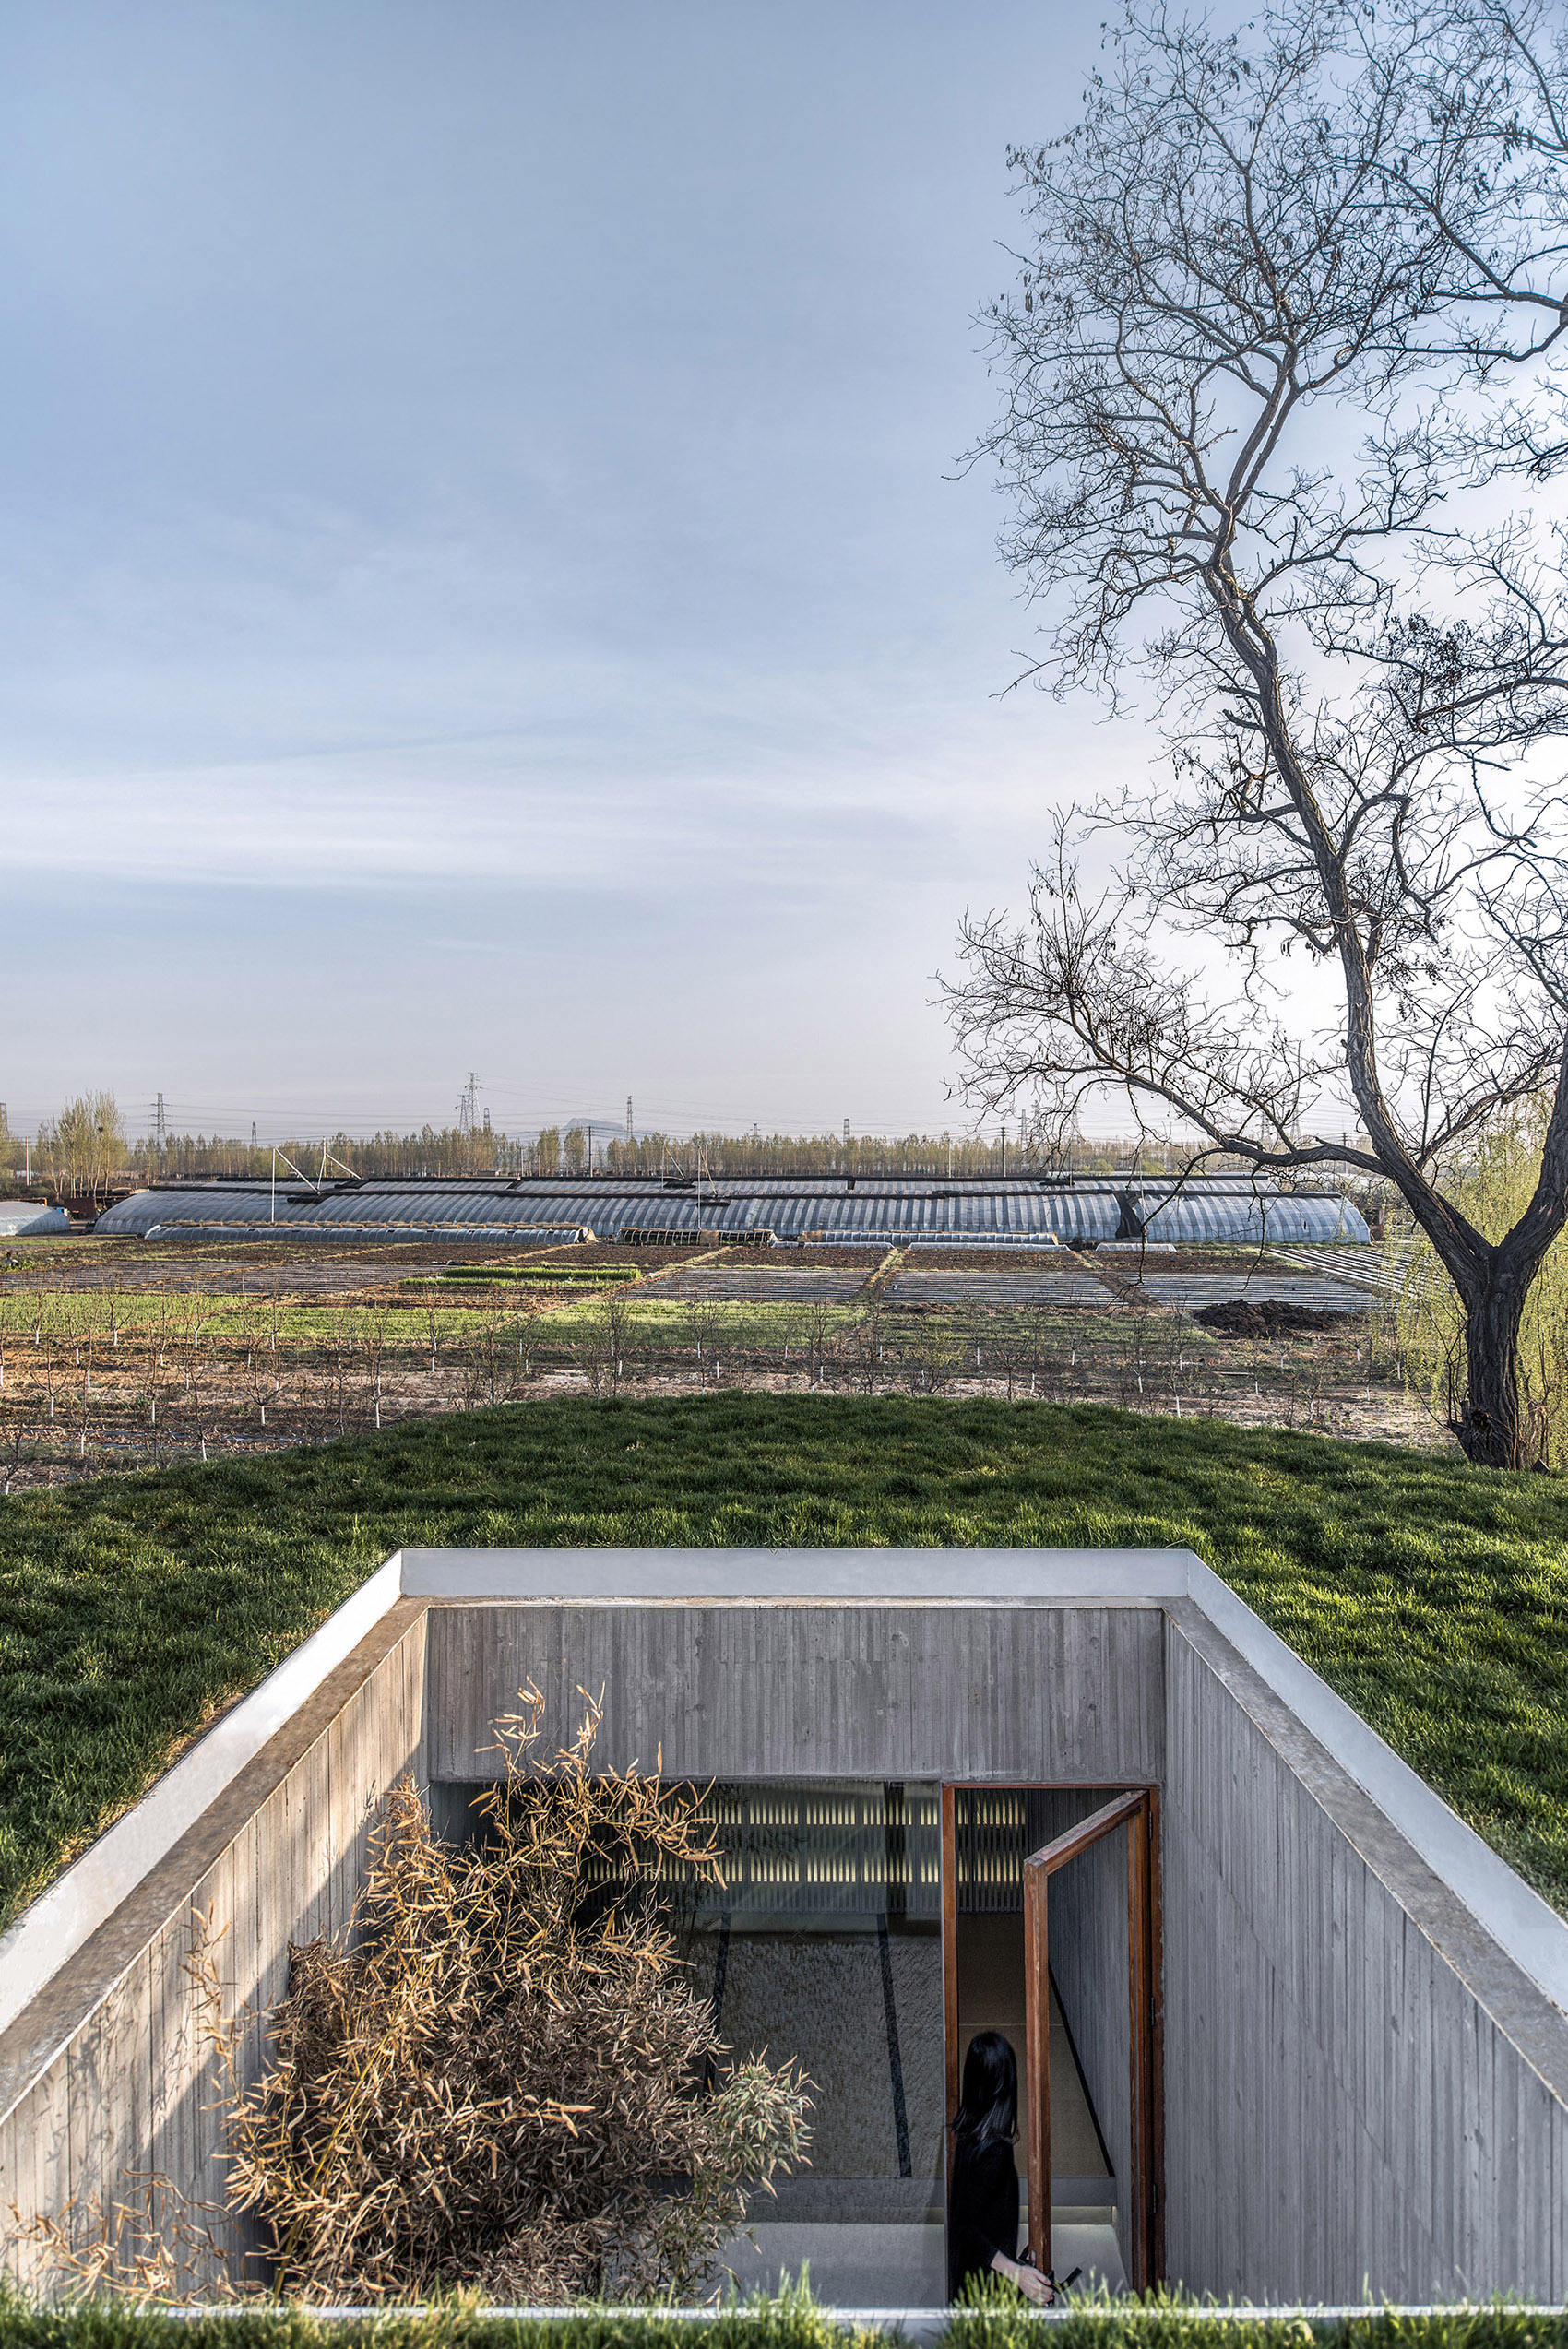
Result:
pixel 988 2109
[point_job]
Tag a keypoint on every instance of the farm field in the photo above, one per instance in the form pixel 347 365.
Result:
pixel 1432 1595
pixel 116 1354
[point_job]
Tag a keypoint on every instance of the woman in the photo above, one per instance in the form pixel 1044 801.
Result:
pixel 982 2196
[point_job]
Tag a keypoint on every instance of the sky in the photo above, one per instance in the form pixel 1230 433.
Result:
pixel 487 578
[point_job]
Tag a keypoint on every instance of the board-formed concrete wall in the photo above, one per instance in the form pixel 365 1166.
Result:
pixel 108 2079
pixel 1363 2093
pixel 959 1690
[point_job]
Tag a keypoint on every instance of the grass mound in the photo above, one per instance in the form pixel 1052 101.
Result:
pixel 1433 1595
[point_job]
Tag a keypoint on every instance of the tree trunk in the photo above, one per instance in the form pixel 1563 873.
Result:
pixel 1492 1428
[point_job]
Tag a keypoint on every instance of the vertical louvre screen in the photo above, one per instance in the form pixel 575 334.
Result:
pixel 998 1827
pixel 814 1850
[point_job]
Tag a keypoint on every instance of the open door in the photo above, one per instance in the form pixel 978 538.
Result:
pixel 1138 1813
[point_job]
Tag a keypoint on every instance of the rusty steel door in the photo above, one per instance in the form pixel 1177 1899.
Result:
pixel 1139 1812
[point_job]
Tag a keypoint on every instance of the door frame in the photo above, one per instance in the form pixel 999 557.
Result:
pixel 1137 1809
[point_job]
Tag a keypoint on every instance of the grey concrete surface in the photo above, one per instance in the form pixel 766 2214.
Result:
pixel 801 1690
pixel 55 1926
pixel 858 2266
pixel 1343 2108
pixel 1520 1928
pixel 849 2265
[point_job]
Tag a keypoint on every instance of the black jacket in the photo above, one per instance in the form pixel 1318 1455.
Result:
pixel 983 2209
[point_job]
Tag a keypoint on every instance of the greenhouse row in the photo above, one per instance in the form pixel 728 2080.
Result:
pixel 828 1211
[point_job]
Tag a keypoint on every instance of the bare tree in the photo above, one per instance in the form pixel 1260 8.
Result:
pixel 1279 435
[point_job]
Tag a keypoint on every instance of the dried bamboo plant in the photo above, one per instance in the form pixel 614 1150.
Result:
pixel 505 2084
pixel 157 2251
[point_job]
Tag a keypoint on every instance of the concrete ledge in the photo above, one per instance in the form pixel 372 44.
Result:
pixel 817 1577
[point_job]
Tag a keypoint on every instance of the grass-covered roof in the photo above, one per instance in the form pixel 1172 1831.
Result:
pixel 1433 1595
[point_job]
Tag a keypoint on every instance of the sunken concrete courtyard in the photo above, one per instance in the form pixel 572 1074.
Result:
pixel 1288 2030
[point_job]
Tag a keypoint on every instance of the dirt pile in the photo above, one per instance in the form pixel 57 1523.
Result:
pixel 1269 1316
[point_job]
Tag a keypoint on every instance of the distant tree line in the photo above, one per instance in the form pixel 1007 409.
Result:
pixel 85 1152
pixel 726 1155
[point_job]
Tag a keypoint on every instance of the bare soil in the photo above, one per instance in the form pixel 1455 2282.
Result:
pixel 1267 1317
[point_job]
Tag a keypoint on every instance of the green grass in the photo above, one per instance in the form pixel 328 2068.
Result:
pixel 790 2323
pixel 535 1277
pixel 1432 1595
pixel 168 1317
pixel 742 1324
